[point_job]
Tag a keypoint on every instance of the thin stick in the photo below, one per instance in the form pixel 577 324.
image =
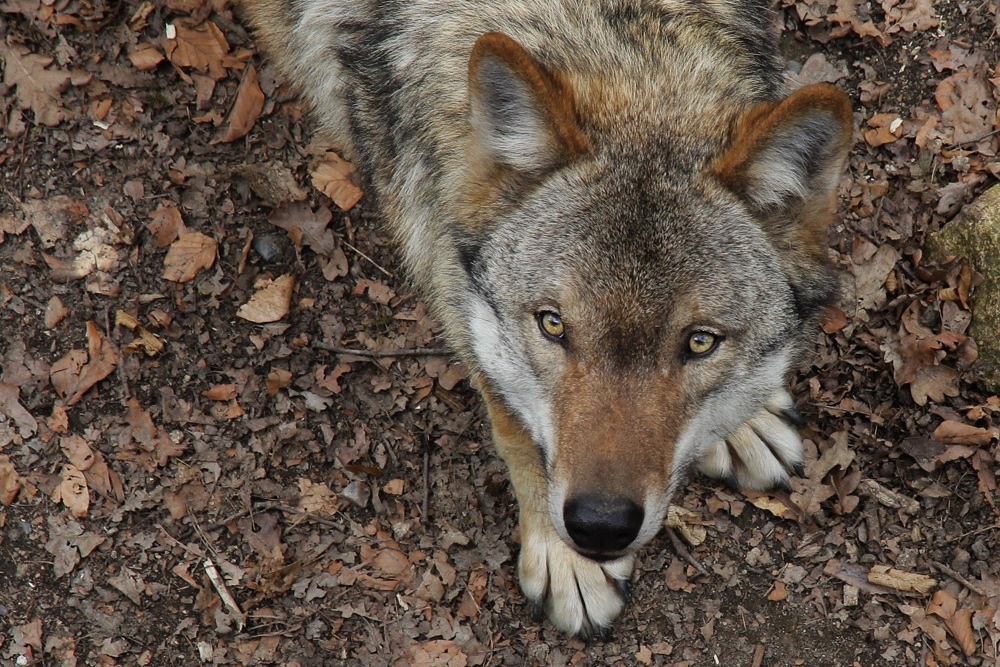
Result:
pixel 683 552
pixel 425 504
pixel 379 354
pixel 944 569
pixel 758 656
pixel 373 262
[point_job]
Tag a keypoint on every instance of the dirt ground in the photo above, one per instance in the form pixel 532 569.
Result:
pixel 229 436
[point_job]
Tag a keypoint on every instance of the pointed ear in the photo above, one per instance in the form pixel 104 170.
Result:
pixel 785 163
pixel 522 113
pixel 790 155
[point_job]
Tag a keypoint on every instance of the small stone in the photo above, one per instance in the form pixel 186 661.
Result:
pixel 268 246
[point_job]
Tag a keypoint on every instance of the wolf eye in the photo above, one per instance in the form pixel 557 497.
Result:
pixel 551 325
pixel 701 343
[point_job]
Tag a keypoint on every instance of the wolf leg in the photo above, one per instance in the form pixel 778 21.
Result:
pixel 579 595
pixel 762 453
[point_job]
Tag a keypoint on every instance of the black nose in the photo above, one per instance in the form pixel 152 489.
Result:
pixel 602 525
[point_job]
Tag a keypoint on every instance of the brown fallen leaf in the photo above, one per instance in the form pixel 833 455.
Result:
pixel 934 383
pixel 74 374
pixel 271 302
pixel 144 341
pixel 676 578
pixel 73 491
pixel 10 405
pixel 901 580
pixel 189 254
pixel 37 87
pixel 332 175
pixel 220 392
pixel 436 653
pixel 778 592
pixel 52 217
pixel 55 311
pixel 78 452
pixel 277 380
pixel 957 621
pixel 146 57
pixel 166 224
pixel 249 103
pixel 143 442
pixel 198 45
pixel 953 432
pixel 10 482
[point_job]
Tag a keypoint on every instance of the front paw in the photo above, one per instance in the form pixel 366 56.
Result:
pixel 580 596
pixel 762 453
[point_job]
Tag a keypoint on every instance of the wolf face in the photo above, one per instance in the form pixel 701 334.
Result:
pixel 620 220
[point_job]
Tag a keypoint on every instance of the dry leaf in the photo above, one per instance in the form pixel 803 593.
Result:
pixel 78 371
pixel 271 302
pixel 145 57
pixel 333 177
pixel 10 405
pixel 38 88
pixel 901 580
pixel 277 380
pixel 436 653
pixel 55 311
pixel 220 392
pixel 201 46
pixel 73 491
pixel 317 498
pixel 189 254
pixel 394 487
pixel 957 433
pixel 305 227
pixel 166 224
pixel 778 592
pixel 676 578
pixel 10 483
pixel 957 621
pixel 78 452
pixel 249 103
pixel 687 523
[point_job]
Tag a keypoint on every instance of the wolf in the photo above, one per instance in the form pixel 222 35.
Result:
pixel 619 216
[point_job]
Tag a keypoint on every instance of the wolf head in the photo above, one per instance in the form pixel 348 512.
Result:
pixel 641 287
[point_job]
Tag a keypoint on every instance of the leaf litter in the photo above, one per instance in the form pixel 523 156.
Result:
pixel 351 507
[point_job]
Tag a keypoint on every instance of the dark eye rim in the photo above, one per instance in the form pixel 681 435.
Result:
pixel 540 315
pixel 691 355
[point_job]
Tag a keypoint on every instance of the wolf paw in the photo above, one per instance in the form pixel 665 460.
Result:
pixel 580 596
pixel 762 453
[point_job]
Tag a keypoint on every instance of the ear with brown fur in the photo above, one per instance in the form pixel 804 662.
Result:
pixel 785 162
pixel 522 113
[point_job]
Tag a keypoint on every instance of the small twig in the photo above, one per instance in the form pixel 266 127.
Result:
pixel 971 141
pixel 220 586
pixel 944 569
pixel 758 656
pixel 379 354
pixel 373 262
pixel 425 503
pixel 683 552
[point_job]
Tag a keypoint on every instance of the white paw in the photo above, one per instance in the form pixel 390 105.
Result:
pixel 762 453
pixel 580 596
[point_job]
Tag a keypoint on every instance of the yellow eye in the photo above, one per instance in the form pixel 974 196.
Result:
pixel 701 343
pixel 551 324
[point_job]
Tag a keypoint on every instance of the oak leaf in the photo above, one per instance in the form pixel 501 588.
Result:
pixel 38 88
pixel 79 370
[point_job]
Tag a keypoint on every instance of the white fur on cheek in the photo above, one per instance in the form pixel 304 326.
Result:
pixel 506 367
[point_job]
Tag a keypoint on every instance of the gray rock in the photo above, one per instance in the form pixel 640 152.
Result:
pixel 975 235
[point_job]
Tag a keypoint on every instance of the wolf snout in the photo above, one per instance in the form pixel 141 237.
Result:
pixel 601 526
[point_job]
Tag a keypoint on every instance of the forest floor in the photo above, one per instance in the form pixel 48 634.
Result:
pixel 195 469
